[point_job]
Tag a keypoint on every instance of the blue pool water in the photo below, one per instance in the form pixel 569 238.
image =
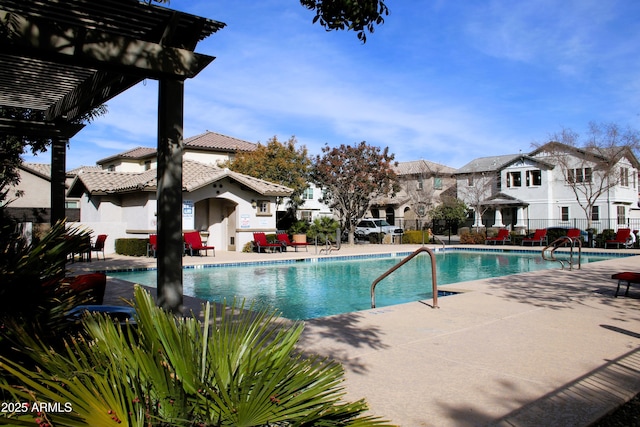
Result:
pixel 317 288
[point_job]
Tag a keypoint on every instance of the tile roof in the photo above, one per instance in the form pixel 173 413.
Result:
pixel 208 141
pixel 215 141
pixel 42 169
pixel 135 153
pixel 415 167
pixel 487 164
pixel 195 175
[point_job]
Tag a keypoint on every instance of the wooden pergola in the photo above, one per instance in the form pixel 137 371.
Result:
pixel 64 58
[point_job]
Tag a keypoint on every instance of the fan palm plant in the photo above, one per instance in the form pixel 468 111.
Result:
pixel 238 367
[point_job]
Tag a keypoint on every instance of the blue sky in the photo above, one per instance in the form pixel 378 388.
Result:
pixel 442 81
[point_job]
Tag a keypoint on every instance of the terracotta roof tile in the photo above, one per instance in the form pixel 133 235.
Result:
pixel 421 166
pixel 212 140
pixel 194 175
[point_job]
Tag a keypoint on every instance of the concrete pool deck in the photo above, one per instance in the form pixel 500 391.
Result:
pixel 547 348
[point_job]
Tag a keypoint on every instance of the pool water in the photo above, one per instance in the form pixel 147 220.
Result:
pixel 317 288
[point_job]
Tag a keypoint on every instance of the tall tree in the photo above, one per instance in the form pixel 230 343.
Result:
pixel 352 176
pixel 591 165
pixel 360 16
pixel 279 162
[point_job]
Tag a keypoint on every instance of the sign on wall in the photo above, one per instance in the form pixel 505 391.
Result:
pixel 188 217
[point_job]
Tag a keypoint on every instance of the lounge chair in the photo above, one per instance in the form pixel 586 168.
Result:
pixel 286 242
pixel 98 246
pixel 628 277
pixel 152 246
pixel 193 242
pixel 540 236
pixel 573 233
pixel 260 240
pixel 622 236
pixel 502 237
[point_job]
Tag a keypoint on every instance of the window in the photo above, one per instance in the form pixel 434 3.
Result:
pixel 71 204
pixel 624 177
pixel 514 179
pixel 437 183
pixel 621 216
pixel 565 213
pixel 534 178
pixel 470 181
pixel 111 168
pixel 263 207
pixel 147 165
pixel 305 216
pixel 579 175
pixel 307 194
pixel 419 184
pixel 595 213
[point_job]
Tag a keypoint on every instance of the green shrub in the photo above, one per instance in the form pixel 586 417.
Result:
pixel 132 247
pixel 472 238
pixel 415 237
pixel 237 367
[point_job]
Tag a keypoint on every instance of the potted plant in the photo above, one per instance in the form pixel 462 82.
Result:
pixel 298 231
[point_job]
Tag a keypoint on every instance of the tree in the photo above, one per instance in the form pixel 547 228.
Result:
pixel 360 16
pixel 590 165
pixel 452 210
pixel 351 176
pixel 476 192
pixel 277 162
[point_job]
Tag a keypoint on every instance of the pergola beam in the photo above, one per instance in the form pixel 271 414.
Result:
pixel 90 47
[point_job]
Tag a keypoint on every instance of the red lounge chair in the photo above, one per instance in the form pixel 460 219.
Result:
pixel 628 277
pixel 193 242
pixel 573 233
pixel 538 237
pixel 284 238
pixel 260 240
pixel 98 246
pixel 503 236
pixel 622 236
pixel 92 285
pixel 152 246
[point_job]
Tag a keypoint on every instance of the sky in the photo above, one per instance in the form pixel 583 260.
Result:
pixel 442 81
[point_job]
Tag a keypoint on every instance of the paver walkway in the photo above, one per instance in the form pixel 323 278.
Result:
pixel 550 348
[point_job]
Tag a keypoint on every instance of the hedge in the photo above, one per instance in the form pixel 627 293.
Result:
pixel 132 247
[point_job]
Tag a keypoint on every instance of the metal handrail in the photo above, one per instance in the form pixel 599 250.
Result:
pixel 434 285
pixel 439 240
pixel 560 240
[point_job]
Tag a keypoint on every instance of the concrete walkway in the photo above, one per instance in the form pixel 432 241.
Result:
pixel 550 348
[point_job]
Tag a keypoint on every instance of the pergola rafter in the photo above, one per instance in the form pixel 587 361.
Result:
pixel 64 58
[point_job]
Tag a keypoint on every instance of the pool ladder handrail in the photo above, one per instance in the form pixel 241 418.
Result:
pixel 434 285
pixel 556 244
pixel 436 238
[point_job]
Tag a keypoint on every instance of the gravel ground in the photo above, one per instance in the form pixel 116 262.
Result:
pixel 627 416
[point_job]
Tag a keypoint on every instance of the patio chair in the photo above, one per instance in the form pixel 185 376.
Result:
pixel 502 237
pixel 152 246
pixel 98 246
pixel 539 236
pixel 622 236
pixel 193 242
pixel 286 242
pixel 260 240
pixel 626 276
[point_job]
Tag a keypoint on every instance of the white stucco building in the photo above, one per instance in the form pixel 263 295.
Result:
pixel 538 190
pixel 226 207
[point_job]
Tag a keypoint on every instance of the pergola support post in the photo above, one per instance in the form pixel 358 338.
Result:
pixel 169 194
pixel 58 177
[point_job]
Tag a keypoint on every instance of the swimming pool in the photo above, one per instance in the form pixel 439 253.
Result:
pixel 306 289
